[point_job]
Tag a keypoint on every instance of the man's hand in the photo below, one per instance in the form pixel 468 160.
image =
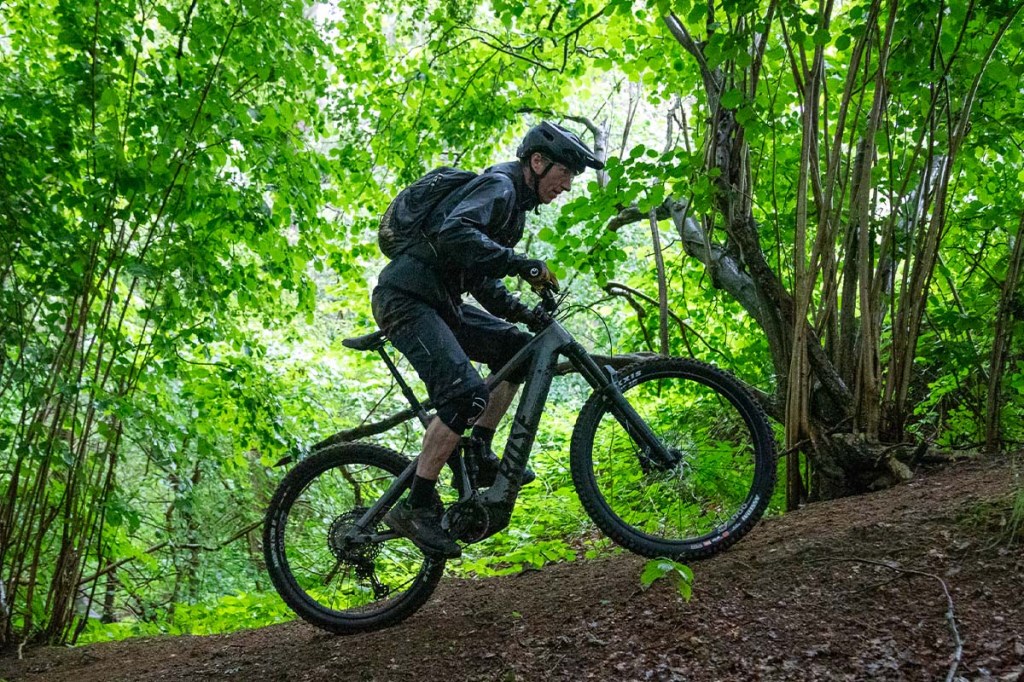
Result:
pixel 535 320
pixel 538 322
pixel 537 275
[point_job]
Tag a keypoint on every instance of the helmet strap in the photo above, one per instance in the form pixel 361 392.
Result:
pixel 537 178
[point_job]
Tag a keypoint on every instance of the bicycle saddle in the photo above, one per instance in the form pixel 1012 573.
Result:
pixel 371 341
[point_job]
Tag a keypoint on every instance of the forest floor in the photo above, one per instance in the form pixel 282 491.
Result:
pixel 854 589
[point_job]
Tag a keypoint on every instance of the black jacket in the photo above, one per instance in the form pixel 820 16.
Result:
pixel 469 243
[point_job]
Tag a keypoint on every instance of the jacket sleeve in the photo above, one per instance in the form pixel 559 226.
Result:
pixel 497 300
pixel 462 239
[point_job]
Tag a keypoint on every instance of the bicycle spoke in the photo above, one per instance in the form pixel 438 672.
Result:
pixel 333 572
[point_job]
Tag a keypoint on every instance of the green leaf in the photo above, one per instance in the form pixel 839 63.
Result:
pixel 732 99
pixel 680 574
pixel 998 71
pixel 653 570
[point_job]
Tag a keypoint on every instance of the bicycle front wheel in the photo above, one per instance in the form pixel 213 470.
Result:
pixel 722 470
pixel 332 582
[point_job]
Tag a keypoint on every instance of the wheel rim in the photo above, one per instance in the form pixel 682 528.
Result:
pixel 352 580
pixel 706 492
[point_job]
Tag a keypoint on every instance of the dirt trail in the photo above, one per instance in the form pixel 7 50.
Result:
pixel 845 590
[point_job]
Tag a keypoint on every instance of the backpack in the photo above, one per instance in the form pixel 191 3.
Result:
pixel 402 224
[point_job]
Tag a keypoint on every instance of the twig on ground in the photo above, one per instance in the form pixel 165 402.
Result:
pixel 745 565
pixel 950 616
pixel 872 586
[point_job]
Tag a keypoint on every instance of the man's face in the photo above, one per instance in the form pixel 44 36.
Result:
pixel 557 180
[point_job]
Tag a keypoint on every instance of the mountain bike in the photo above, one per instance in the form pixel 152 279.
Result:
pixel 670 458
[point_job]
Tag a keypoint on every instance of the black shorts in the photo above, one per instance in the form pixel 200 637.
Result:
pixel 442 348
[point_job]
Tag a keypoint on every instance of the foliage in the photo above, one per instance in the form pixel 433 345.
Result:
pixel 158 197
pixel 1016 524
pixel 678 574
pixel 1017 516
pixel 188 196
pixel 224 614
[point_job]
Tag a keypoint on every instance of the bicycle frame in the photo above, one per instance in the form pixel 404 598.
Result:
pixel 542 353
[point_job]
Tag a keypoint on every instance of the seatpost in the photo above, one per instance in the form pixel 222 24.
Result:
pixel 421 414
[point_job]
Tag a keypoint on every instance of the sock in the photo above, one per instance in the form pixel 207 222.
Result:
pixel 483 433
pixel 421 494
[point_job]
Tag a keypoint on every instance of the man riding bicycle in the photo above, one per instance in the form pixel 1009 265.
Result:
pixel 467 247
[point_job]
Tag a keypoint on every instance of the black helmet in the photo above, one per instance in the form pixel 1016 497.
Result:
pixel 560 145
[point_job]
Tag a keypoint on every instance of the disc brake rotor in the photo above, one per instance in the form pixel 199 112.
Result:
pixel 359 554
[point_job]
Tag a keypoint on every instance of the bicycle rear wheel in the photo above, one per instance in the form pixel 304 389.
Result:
pixel 719 483
pixel 334 584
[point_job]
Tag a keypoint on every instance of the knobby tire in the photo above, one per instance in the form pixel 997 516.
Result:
pixel 311 508
pixel 723 476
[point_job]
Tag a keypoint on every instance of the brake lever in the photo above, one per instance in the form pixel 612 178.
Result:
pixel 543 312
pixel 548 300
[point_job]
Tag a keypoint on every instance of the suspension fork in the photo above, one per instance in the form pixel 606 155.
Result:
pixel 603 382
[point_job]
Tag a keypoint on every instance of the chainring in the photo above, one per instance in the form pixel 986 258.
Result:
pixel 468 521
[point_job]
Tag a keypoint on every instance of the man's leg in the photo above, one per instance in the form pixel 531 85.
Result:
pixel 498 404
pixel 493 341
pixel 418 517
pixel 438 443
pixel 418 509
pixel 454 386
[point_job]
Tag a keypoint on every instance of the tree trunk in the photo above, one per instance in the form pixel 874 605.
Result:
pixel 843 430
pixel 1008 302
pixel 659 266
pixel 110 597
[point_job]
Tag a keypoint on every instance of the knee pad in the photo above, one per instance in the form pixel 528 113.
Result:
pixel 463 410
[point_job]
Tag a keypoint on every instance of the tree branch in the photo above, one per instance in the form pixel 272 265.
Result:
pixel 730 274
pixel 122 562
pixel 160 545
pixel 614 287
pixel 366 430
pixel 680 33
